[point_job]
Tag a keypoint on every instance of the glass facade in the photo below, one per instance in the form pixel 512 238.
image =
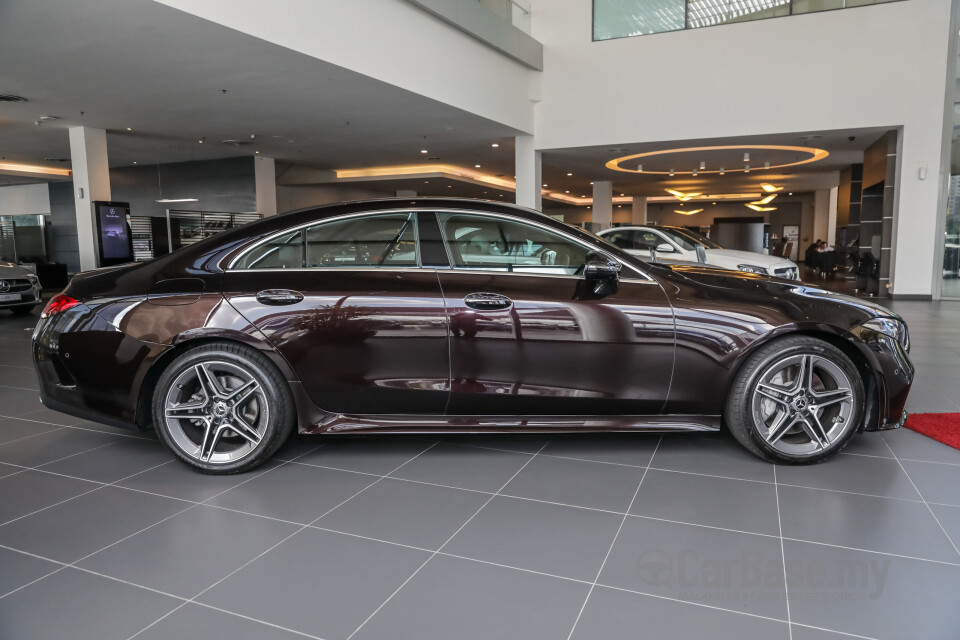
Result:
pixel 624 18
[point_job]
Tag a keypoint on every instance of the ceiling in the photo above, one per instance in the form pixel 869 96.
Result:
pixel 171 87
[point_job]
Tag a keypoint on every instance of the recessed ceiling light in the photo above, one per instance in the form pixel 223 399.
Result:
pixel 129 129
pixel 591 182
pixel 134 162
pixel 476 166
pixel 256 152
pixel 200 141
pixel 424 151
pixel 544 184
pixel 790 194
pixel 426 182
pixel 621 195
pixel 567 191
pixel 569 174
pixel 495 145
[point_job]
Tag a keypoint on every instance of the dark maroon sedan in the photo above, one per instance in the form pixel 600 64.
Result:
pixel 432 315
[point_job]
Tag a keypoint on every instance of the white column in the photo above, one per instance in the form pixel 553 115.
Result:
pixel 265 177
pixel 638 214
pixel 821 215
pixel 832 217
pixel 527 167
pixel 91 181
pixel 603 203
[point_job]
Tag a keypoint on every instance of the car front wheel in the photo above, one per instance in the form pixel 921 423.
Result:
pixel 222 408
pixel 798 400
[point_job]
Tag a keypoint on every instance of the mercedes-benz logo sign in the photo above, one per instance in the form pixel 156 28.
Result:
pixel 4 286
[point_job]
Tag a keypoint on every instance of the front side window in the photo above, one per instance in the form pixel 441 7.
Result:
pixel 387 240
pixel 496 244
pixel 282 252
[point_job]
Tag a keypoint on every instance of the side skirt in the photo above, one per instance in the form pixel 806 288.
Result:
pixel 495 424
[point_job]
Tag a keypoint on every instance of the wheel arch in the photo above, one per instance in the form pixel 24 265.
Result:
pixel 144 417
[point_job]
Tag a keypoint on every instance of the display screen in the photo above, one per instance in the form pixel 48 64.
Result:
pixel 114 232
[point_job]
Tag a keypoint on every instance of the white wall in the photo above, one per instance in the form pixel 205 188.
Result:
pixel 24 199
pixel 392 41
pixel 881 65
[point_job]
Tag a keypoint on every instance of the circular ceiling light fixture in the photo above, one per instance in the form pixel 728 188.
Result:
pixel 808 155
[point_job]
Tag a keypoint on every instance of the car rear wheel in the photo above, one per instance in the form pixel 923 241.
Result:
pixel 222 408
pixel 798 400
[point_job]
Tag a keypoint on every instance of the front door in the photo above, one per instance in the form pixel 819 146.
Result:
pixel 528 337
pixel 347 305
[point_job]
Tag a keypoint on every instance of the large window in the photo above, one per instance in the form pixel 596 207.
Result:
pixel 623 18
pixel 495 244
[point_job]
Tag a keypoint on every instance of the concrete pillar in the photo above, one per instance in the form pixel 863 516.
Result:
pixel 603 203
pixel 91 181
pixel 638 214
pixel 821 214
pixel 406 193
pixel 527 167
pixel 265 177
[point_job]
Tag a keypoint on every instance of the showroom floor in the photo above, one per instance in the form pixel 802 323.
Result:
pixel 103 536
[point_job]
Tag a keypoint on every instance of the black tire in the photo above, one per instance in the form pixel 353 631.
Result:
pixel 746 405
pixel 270 403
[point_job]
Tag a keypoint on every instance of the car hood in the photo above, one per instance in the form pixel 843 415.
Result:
pixel 809 299
pixel 746 257
pixel 10 270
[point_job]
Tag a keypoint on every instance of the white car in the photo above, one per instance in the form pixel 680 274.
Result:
pixel 19 288
pixel 676 244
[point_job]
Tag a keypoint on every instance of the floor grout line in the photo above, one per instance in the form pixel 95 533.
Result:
pixel 783 552
pixel 447 541
pixel 613 542
pixel 917 489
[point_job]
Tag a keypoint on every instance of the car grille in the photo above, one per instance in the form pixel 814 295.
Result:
pixel 786 272
pixel 18 284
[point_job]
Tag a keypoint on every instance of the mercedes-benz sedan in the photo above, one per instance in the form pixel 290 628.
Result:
pixel 436 315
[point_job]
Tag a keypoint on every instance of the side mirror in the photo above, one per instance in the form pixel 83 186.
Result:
pixel 701 254
pixel 601 274
pixel 664 247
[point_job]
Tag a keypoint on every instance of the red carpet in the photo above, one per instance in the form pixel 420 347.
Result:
pixel 942 427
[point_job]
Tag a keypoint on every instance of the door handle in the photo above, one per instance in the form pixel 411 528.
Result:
pixel 279 297
pixel 487 301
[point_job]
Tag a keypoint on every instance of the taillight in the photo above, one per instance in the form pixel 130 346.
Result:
pixel 58 304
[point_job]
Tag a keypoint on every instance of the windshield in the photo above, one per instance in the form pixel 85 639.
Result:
pixel 689 237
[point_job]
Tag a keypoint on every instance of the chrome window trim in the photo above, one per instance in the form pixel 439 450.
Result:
pixel 230 267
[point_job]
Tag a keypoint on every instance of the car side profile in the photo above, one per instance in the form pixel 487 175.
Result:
pixel 448 315
pixel 678 244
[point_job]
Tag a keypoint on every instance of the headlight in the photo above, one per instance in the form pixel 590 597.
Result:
pixel 752 268
pixel 34 280
pixel 896 329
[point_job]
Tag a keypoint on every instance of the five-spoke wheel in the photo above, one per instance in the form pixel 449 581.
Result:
pixel 798 400
pixel 222 408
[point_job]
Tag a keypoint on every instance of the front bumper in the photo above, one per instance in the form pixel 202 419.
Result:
pixel 28 298
pixel 893 374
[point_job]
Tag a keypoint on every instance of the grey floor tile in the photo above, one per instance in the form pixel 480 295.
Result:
pixel 113 462
pixel 17 358
pixel 26 492
pixel 863 522
pixel 872 595
pixel 868 444
pixel 617 615
pixel 294 492
pixel 420 515
pixel 177 480
pixel 559 540
pixel 16 402
pixel 518 442
pixel 949 518
pixel 78 527
pixel 910 445
pixel 379 455
pixel 321 583
pixel 799 632
pixel 53 445
pixel 857 474
pixel 736 571
pixel 15 429
pixel 18 569
pixel 717 502
pixel 189 552
pixel 936 482
pixel 453 598
pixel 8 469
pixel 464 467
pixel 196 622
pixel 89 425
pixel 574 482
pixel 42 414
pixel 930 401
pixel 297 445
pixel 74 604
pixel 710 454
pixel 18 378
pixel 621 448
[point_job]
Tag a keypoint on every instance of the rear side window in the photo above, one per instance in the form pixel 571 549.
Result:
pixel 283 252
pixel 387 240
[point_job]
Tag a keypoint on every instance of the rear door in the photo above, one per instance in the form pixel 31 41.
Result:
pixel 528 337
pixel 348 305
